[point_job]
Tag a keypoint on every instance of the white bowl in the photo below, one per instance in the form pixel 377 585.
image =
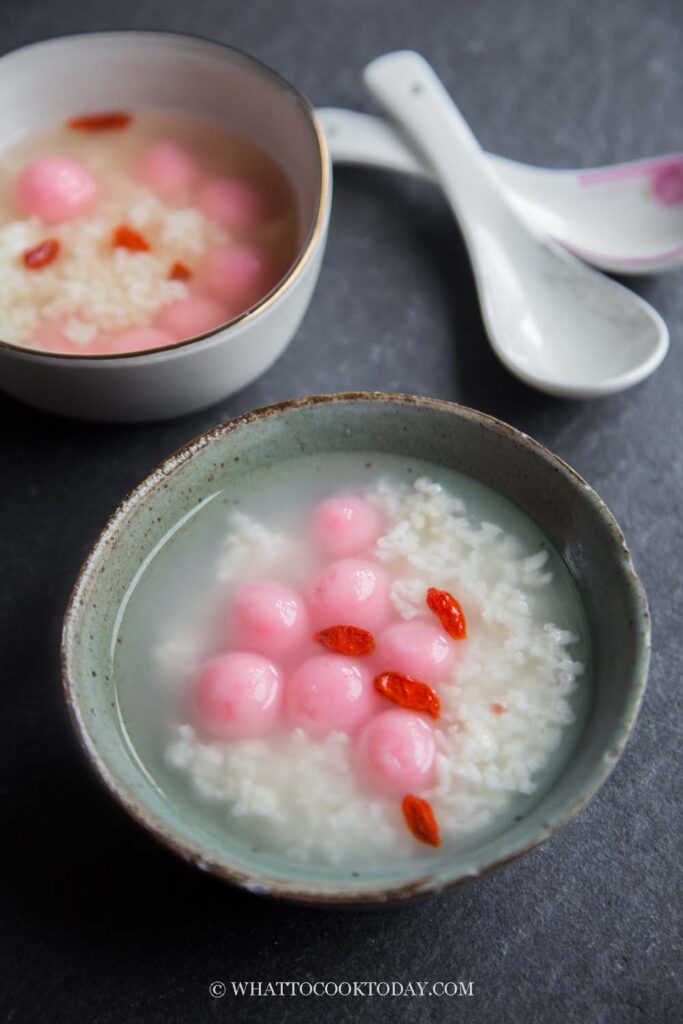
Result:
pixel 46 82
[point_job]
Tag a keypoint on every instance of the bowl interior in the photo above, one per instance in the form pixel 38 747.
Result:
pixel 568 511
pixel 55 79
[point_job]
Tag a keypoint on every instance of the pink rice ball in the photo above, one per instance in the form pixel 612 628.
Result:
pixel 188 318
pixel 330 693
pixel 55 188
pixel 136 339
pixel 268 618
pixel 345 525
pixel 351 592
pixel 238 696
pixel 416 648
pixel 233 203
pixel 167 169
pixel 396 753
pixel 237 274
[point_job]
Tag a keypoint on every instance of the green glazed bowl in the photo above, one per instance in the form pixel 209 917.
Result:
pixel 564 506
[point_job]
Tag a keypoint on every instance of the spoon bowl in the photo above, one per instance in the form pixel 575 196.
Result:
pixel 554 322
pixel 626 218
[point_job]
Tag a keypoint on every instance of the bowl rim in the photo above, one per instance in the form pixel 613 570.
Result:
pixel 306 248
pixel 330 894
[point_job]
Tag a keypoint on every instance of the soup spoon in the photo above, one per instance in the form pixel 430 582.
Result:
pixel 626 217
pixel 554 322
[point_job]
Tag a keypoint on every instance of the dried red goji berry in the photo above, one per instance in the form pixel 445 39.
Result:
pixel 346 640
pixel 42 254
pixel 408 692
pixel 111 120
pixel 420 820
pixel 449 612
pixel 124 237
pixel 179 272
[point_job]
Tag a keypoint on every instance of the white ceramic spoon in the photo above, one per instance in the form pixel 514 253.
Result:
pixel 553 321
pixel 625 217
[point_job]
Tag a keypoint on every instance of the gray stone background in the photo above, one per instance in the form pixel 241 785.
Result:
pixel 102 925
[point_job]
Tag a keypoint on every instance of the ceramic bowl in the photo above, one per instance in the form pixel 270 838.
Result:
pixel 545 488
pixel 46 82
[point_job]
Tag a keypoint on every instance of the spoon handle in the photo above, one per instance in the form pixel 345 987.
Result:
pixel 355 138
pixel 405 84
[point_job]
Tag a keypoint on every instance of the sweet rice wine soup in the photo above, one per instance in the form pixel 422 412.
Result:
pixel 360 660
pixel 131 230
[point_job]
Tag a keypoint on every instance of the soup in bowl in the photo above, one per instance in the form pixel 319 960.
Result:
pixel 163 220
pixel 356 648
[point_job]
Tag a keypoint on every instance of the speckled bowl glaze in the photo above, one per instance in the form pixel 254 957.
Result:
pixel 566 508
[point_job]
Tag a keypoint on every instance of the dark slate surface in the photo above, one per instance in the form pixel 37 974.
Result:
pixel 102 925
